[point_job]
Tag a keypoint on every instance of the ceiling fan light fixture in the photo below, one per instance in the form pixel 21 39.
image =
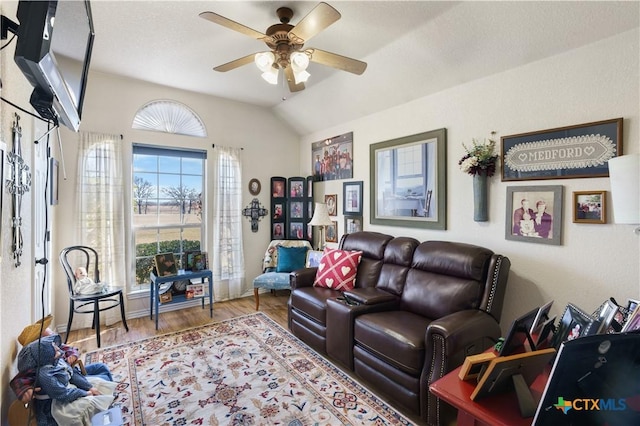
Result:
pixel 299 64
pixel 299 61
pixel 264 61
pixel 271 76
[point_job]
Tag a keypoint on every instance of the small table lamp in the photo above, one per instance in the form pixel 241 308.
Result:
pixel 321 218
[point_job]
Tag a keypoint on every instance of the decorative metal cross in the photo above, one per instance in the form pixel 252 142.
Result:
pixel 255 212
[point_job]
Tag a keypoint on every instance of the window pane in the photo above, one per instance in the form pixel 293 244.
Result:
pixel 167 199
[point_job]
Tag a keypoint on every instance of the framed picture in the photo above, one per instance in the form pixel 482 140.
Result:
pixel 409 181
pixel 352 196
pixel 541 317
pixel 633 322
pixel 189 260
pixel 605 315
pixel 332 232
pixel 166 264
pixel 296 187
pixel 278 211
pixel 573 324
pixel 277 232
pixel 165 297
pixel 332 204
pixel 200 261
pixel 296 230
pixel 278 185
pixel 534 214
pixel 577 151
pixel 589 207
pixel 332 158
pixel 632 304
pixel 296 210
pixel 352 224
pixel 254 187
pixel 313 258
pixel 194 290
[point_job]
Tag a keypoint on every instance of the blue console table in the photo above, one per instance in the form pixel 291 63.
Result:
pixel 182 275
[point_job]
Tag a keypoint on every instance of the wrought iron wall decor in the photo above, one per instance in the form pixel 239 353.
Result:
pixel 255 212
pixel 17 186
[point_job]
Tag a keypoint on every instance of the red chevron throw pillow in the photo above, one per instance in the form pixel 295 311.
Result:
pixel 337 269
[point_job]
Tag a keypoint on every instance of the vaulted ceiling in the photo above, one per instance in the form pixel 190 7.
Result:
pixel 413 48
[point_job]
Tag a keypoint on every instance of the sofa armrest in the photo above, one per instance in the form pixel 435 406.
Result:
pixel 448 341
pixel 303 277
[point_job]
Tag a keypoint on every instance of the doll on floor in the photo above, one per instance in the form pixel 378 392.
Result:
pixel 84 284
pixel 66 397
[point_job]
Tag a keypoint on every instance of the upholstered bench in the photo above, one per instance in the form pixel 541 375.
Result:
pixel 276 271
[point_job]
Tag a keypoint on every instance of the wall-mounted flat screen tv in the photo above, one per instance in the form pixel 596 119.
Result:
pixel 53 51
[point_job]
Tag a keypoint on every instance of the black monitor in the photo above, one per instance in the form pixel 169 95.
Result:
pixel 595 380
pixel 53 51
pixel 518 333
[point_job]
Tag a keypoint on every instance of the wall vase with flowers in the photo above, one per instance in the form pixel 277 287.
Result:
pixel 480 162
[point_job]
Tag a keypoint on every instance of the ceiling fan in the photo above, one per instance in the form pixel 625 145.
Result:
pixel 286 42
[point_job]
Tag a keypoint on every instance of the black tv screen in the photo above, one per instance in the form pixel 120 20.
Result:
pixel 53 51
pixel 595 380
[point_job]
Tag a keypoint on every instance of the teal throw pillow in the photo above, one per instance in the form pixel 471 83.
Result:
pixel 291 258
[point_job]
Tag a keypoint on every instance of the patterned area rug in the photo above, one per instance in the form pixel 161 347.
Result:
pixel 243 371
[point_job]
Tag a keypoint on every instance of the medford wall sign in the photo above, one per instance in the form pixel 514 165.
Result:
pixel 568 152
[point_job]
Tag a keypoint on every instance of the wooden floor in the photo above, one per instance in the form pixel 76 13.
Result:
pixel 273 305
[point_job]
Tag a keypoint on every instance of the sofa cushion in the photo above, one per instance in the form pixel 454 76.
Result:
pixel 312 302
pixel 291 258
pixel 337 269
pixel 397 337
pixel 272 281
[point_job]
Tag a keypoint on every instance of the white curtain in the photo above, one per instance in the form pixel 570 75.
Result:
pixel 227 261
pixel 101 208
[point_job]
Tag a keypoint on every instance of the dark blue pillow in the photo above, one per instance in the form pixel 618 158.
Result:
pixel 291 258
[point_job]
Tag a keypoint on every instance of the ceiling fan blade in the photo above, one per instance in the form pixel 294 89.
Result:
pixel 317 20
pixel 336 61
pixel 293 87
pixel 236 63
pixel 232 25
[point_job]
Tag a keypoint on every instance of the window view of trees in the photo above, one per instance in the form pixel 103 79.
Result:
pixel 167 205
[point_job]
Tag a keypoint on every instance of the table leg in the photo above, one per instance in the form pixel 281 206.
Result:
pixel 156 302
pixel 210 297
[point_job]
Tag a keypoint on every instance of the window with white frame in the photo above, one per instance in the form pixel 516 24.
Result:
pixel 167 197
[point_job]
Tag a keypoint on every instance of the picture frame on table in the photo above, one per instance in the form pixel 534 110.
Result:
pixel 332 232
pixel 165 264
pixel 590 207
pixel 606 314
pixel 541 317
pixel 352 224
pixel 165 297
pixel 525 204
pixel 331 200
pixel 195 290
pixel 633 321
pixel 577 151
pixel 574 323
pixel 352 196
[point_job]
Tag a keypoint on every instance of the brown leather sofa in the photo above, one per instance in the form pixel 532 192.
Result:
pixel 418 310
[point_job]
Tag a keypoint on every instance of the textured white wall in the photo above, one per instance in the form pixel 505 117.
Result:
pixel 596 82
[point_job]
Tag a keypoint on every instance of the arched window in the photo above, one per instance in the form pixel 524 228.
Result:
pixel 169 117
